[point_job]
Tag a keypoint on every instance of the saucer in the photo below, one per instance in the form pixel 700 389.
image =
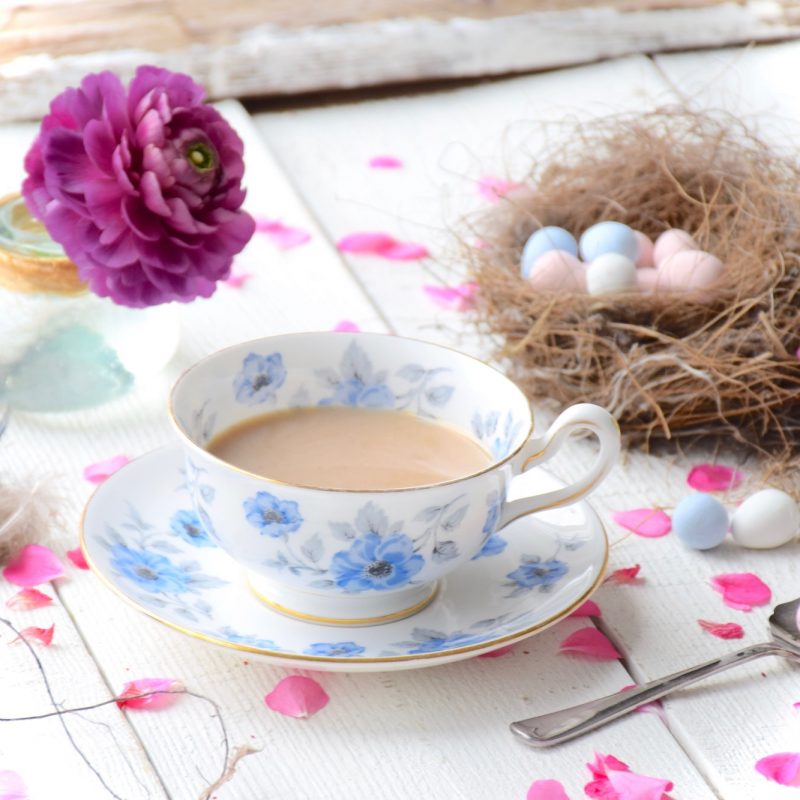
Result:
pixel 138 537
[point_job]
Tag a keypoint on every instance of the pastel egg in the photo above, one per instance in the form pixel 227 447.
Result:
pixel 644 250
pixel 670 242
pixel 608 237
pixel 766 519
pixel 690 269
pixel 544 240
pixel 700 521
pixel 558 270
pixel 647 279
pixel 611 273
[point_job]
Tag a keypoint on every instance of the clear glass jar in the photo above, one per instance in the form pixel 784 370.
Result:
pixel 63 348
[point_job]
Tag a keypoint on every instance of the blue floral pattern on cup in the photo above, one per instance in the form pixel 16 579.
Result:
pixel 150 571
pixel 533 573
pixel 356 384
pixel 376 563
pixel 259 378
pixel 229 634
pixel 187 525
pixel 498 438
pixel 428 641
pixel 271 516
pixel 493 543
pixel 335 649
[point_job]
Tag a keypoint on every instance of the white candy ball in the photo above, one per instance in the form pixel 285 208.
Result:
pixel 558 271
pixel 766 519
pixel 611 273
pixel 670 242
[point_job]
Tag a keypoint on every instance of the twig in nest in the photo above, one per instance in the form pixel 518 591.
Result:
pixel 238 754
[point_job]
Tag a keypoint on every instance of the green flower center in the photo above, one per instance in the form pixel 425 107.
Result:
pixel 201 156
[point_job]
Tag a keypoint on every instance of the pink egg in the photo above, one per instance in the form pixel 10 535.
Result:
pixel 690 269
pixel 647 279
pixel 670 242
pixel 558 271
pixel 644 252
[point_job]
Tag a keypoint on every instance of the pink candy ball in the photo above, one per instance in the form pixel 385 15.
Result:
pixel 647 279
pixel 558 271
pixel 690 269
pixel 671 242
pixel 644 252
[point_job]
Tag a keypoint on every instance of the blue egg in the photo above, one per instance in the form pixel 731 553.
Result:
pixel 608 237
pixel 700 521
pixel 544 240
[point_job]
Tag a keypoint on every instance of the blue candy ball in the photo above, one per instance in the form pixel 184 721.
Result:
pixel 544 240
pixel 608 237
pixel 700 521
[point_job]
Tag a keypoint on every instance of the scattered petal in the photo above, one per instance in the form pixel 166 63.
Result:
pixel 713 478
pixel 77 557
pixel 493 188
pixel 346 326
pixel 99 471
pixel 34 564
pixel 741 590
pixel 238 279
pixel 546 790
pixel 455 298
pixel 647 522
pixel 26 599
pixel 42 635
pixel 796 706
pixel 590 642
pixel 140 693
pixel 783 768
pixel 12 786
pixel 385 162
pixel 404 251
pixel 284 237
pixel 381 244
pixel 633 786
pixel 501 651
pixel 297 696
pixel 625 575
pixel 587 609
pixel 722 630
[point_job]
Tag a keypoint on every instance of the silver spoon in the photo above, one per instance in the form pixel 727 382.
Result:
pixel 561 726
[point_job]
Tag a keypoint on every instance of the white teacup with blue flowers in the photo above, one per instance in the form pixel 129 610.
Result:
pixel 360 557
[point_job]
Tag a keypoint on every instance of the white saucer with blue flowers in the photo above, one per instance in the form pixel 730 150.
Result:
pixel 142 537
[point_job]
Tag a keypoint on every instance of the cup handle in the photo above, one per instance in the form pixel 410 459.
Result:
pixel 538 450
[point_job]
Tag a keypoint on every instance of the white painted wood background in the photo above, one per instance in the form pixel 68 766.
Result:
pixel 440 732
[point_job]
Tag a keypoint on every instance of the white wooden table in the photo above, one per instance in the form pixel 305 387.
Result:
pixel 440 732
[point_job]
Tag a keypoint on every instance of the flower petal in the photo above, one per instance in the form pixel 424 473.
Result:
pixel 722 630
pixel 100 470
pixel 12 786
pixel 346 326
pixel 238 279
pixel 385 162
pixel 632 786
pixel 138 693
pixel 34 564
pixel 492 188
pixel 42 635
pixel 590 642
pixel 546 790
pixel 647 522
pixel 284 237
pixel 77 557
pixel 404 251
pixel 713 478
pixel 26 599
pixel 297 696
pixel 625 575
pixel 501 651
pixel 587 609
pixel 741 590
pixel 455 298
pixel 365 242
pixel 783 768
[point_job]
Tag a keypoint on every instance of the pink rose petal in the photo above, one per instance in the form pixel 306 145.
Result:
pixel 381 244
pixel 455 298
pixel 385 162
pixel 587 609
pixel 590 642
pixel 404 251
pixel 625 575
pixel 297 696
pixel 546 790
pixel 713 478
pixel 100 470
pixel 346 326
pixel 42 635
pixel 492 188
pixel 796 706
pixel 632 786
pixel 34 564
pixel 501 651
pixel 722 630
pixel 647 522
pixel 238 279
pixel 136 694
pixel 284 237
pixel 741 590
pixel 77 557
pixel 12 786
pixel 783 768
pixel 26 599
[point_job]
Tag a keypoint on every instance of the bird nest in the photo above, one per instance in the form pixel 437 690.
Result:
pixel 670 366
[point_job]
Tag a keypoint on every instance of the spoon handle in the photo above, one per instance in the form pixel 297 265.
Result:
pixel 561 726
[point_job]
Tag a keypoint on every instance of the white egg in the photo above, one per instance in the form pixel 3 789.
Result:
pixel 611 273
pixel 766 519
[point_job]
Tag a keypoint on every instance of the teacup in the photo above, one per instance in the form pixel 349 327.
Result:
pixel 341 556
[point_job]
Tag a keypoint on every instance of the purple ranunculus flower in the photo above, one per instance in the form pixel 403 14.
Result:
pixel 141 188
